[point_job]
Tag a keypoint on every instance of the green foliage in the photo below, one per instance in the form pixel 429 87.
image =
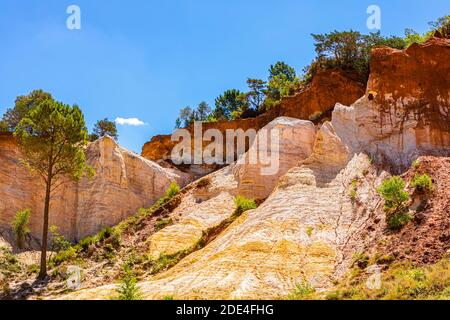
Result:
pixel 401 281
pixel 230 101
pixel 354 191
pixel 69 254
pixel 309 231
pixel 20 225
pixel 422 183
pixel 442 25
pixel 349 51
pixel 393 192
pixel 398 220
pixel 8 262
pixel 129 289
pixel 58 241
pixel 281 69
pixel 173 190
pixel 412 36
pixel 188 115
pixel 243 204
pixel 257 93
pixel 303 291
pixel 185 118
pixel 52 136
pixel 85 243
pixel 102 128
pixel 33 268
pixel 104 234
pixel 168 298
pixel 23 105
pixel 161 224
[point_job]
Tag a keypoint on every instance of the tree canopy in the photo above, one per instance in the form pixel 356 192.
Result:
pixel 102 128
pixel 22 106
pixel 349 51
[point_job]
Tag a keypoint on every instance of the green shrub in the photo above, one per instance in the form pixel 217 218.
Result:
pixel 63 256
pixel 20 226
pixel 398 220
pixel 243 204
pixel 58 242
pixel 129 289
pixel 354 190
pixel 400 281
pixel 422 183
pixel 85 243
pixel 168 298
pixel 8 262
pixel 34 268
pixel 173 190
pixel 302 291
pixel 393 192
pixel 104 234
pixel 416 164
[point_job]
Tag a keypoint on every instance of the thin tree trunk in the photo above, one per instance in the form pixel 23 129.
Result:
pixel 43 271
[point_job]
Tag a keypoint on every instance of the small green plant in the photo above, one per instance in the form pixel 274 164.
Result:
pixel 422 183
pixel 8 262
pixel 354 190
pixel 34 268
pixel 63 256
pixel 415 165
pixel 85 243
pixel 243 204
pixel 168 298
pixel 20 226
pixel 171 192
pixel 309 231
pixel 393 192
pixel 104 234
pixel 302 291
pixel 161 224
pixel 58 241
pixel 398 220
pixel 129 289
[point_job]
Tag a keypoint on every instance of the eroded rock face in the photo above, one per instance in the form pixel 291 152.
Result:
pixel 267 160
pixel 123 183
pixel 406 111
pixel 302 232
pixel 208 206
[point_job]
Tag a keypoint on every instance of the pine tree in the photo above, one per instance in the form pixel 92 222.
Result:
pixel 52 136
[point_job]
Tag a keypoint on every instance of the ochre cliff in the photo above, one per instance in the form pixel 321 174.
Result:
pixel 406 110
pixel 123 183
pixel 327 88
pixel 325 209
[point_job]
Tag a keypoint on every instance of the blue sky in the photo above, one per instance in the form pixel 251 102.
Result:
pixel 146 59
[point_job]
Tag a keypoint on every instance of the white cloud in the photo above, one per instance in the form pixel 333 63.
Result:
pixel 130 122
